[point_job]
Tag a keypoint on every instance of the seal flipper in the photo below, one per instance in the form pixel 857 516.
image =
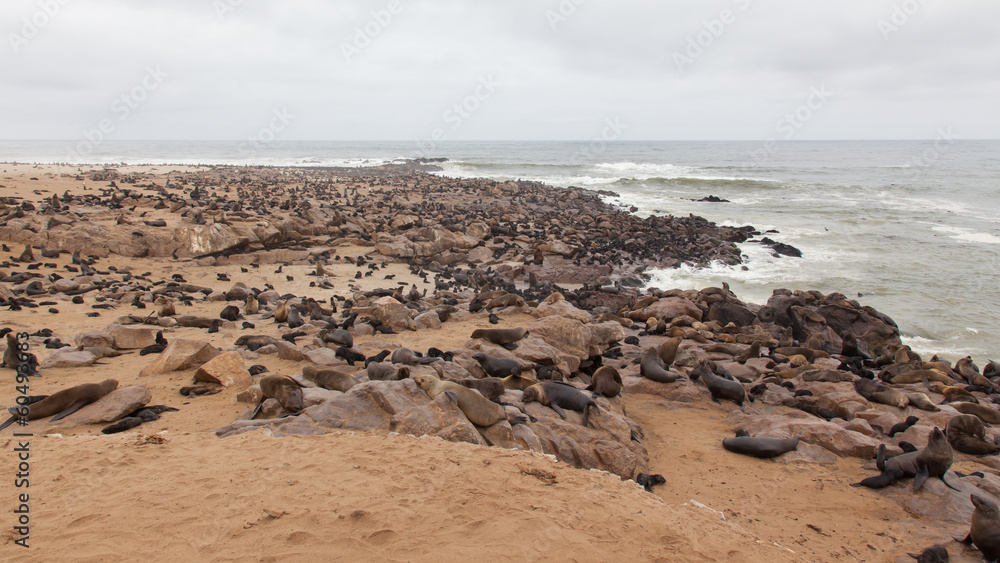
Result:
pixel 256 409
pixel 921 477
pixel 880 458
pixel 75 406
pixel 511 346
pixel 452 395
pixel 8 422
pixel 947 484
pixel 559 410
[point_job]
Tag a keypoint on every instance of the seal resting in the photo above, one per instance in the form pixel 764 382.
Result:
pixel 932 461
pixel 377 371
pixel 933 554
pixel 985 528
pixel 410 358
pixel 967 434
pixel 477 408
pixel 62 403
pixel 500 336
pixel 987 414
pixel 763 448
pixel 558 396
pixel 329 378
pixel 606 381
pixel 490 387
pixel 497 367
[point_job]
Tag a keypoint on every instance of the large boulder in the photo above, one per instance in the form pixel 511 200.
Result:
pixel 68 358
pixel 575 338
pixel 811 430
pixel 226 369
pixel 113 406
pixel 667 309
pixel 181 355
pixel 130 337
pixel 392 313
pixel 201 240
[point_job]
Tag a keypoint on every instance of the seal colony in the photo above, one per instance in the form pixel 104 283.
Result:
pixel 340 288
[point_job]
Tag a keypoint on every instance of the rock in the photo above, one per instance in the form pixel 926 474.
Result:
pixel 811 430
pixel 199 240
pixel 226 369
pixel 526 439
pixel 681 391
pixel 500 435
pixel 324 357
pixel 725 312
pixel 575 338
pixel 239 292
pixel 480 255
pixel 667 309
pixel 64 285
pixel 130 337
pixel 180 355
pixel 287 351
pixel 562 308
pixel 317 395
pixel 113 406
pixel 252 395
pixel 68 358
pixel 428 319
pixel 392 313
pixel 93 339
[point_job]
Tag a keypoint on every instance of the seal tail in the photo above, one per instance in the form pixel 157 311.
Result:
pixel 8 422
pixel 77 405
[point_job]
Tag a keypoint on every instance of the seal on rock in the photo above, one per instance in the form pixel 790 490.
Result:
pixel 410 358
pixel 283 389
pixel 329 378
pixel 967 434
pixel 490 387
pixel 719 387
pixel 558 396
pixel 987 414
pixel 378 371
pixel 932 461
pixel 668 351
pixel 518 382
pixel 606 381
pixel 497 367
pixel 500 336
pixel 477 408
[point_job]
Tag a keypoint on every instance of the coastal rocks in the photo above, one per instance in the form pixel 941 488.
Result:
pixel 667 309
pixel 180 355
pixel 810 429
pixel 201 240
pixel 226 369
pixel 112 406
pixel 575 338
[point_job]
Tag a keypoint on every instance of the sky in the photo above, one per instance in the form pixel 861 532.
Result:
pixel 499 69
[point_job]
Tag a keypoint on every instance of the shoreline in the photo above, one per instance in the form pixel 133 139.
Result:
pixel 405 259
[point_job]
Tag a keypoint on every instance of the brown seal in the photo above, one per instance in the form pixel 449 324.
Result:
pixel 509 300
pixel 281 312
pixel 500 336
pixel 10 359
pixel 984 531
pixel 283 389
pixel 490 387
pixel 251 306
pixel 918 375
pixel 763 448
pixel 987 414
pixel 719 387
pixel 559 396
pixel 477 408
pixel 651 367
pixel 933 554
pixel 497 367
pixel 518 382
pixel 810 354
pixel 378 371
pixel 668 351
pixel 606 381
pixel 932 461
pixel 63 403
pixel 329 378
pixel 921 401
pixel 967 434
pixel 410 358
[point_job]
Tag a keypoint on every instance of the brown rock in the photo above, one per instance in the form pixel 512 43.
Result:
pixel 226 369
pixel 181 355
pixel 667 309
pixel 113 406
pixel 130 337
pixel 392 313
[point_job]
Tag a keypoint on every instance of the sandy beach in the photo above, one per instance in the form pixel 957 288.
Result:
pixel 383 470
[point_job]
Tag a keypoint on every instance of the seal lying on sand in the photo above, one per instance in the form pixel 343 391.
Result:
pixel 500 336
pixel 559 396
pixel 63 403
pixel 763 448
pixel 932 461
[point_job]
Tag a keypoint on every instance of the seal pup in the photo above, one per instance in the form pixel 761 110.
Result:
pixel 497 367
pixel 251 306
pixel 967 434
pixel 933 554
pixel 559 396
pixel 500 336
pixel 230 313
pixel 932 461
pixel 10 355
pixel 652 367
pixel 984 531
pixel 477 408
pixel 763 448
pixel 329 378
pixel 606 381
pixel 283 389
pixel 903 426
pixel 63 403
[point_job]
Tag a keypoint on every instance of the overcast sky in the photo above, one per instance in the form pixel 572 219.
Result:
pixel 516 69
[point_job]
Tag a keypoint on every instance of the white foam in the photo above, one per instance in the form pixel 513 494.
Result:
pixel 967 235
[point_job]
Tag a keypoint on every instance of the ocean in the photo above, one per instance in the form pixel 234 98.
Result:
pixel 911 228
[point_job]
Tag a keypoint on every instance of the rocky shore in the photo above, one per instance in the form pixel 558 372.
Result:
pixel 318 303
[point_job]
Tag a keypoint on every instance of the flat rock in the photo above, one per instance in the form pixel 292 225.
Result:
pixel 68 358
pixel 130 337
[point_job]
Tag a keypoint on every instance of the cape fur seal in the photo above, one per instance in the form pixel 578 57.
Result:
pixel 378 371
pixel 606 381
pixel 984 531
pixel 477 408
pixel 932 461
pixel 559 396
pixel 497 367
pixel 518 382
pixel 652 367
pixel 329 378
pixel 967 434
pixel 63 403
pixel 719 387
pixel 763 448
pixel 490 387
pixel 282 389
pixel 668 351
pixel 409 357
pixel 933 554
pixel 500 336
pixel 987 414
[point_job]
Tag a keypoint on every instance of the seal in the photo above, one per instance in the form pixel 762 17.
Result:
pixel 377 371
pixel 509 300
pixel 879 393
pixel 251 306
pixel 477 408
pixel 497 367
pixel 809 353
pixel 10 356
pixel 558 396
pixel 921 401
pixel 763 448
pixel 281 312
pixel 409 357
pixel 719 388
pixel 230 313
pixel 984 531
pixel 500 336
pixel 329 378
pixel 518 382
pixel 651 367
pixel 933 554
pixel 967 434
pixel 932 461
pixel 64 403
pixel 282 389
pixel 987 414
pixel 919 375
pixel 903 426
pixel 606 381
pixel 992 369
pixel 668 351
pixel 490 387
